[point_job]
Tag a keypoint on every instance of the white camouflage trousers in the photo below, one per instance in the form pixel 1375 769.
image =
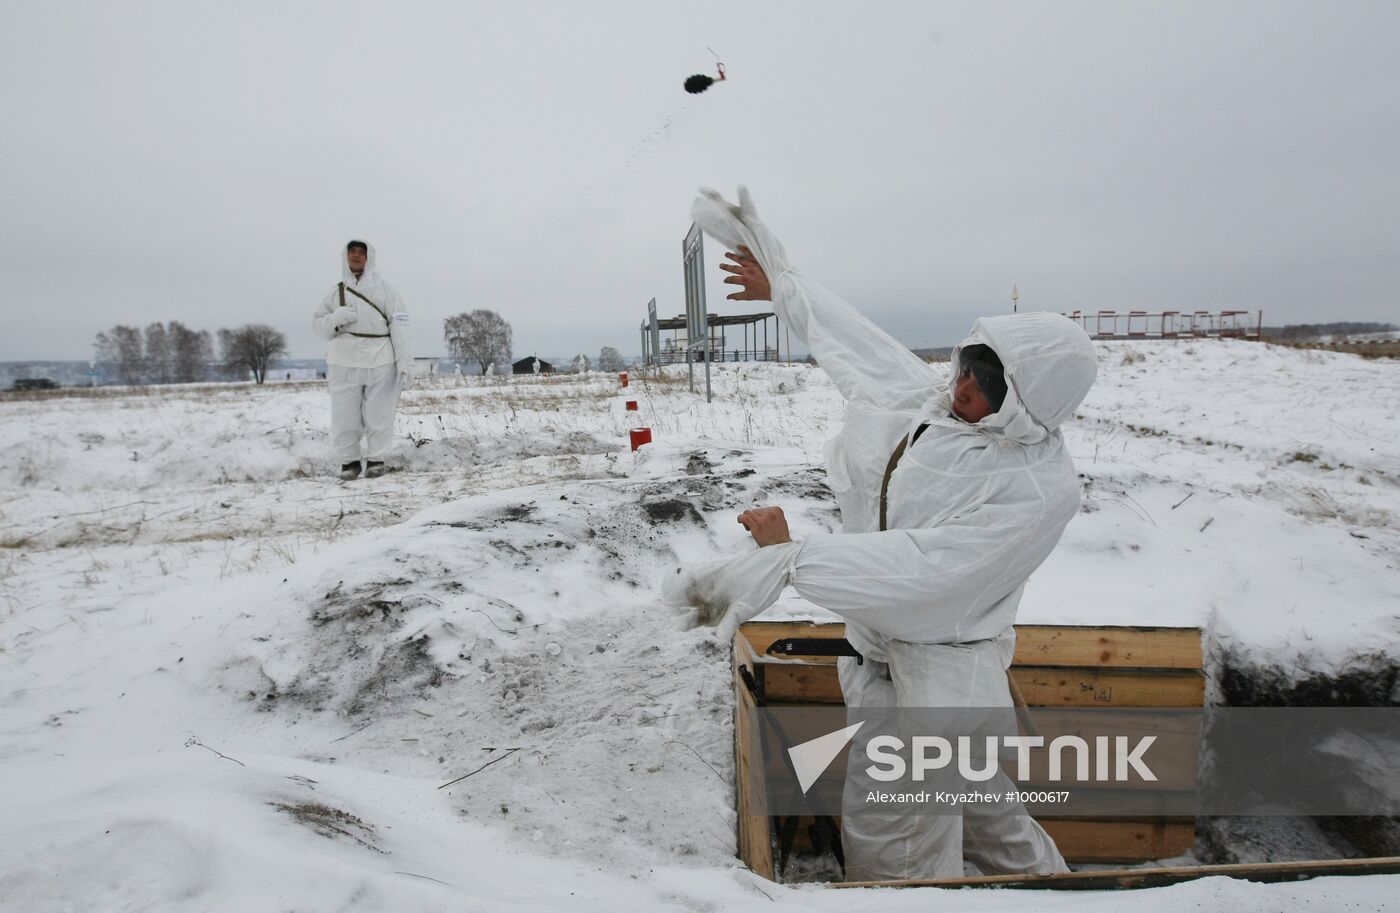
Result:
pixel 363 401
pixel 888 847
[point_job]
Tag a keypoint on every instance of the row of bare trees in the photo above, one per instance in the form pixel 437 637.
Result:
pixel 172 353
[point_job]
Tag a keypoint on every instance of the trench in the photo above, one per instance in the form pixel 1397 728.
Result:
pixel 1367 680
pixel 1370 679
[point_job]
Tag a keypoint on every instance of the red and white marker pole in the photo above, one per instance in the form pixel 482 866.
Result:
pixel 637 436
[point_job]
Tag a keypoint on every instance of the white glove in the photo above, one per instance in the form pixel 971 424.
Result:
pixel 725 594
pixel 405 379
pixel 733 226
pixel 344 316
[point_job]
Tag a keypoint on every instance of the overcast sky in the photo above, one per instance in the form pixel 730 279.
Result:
pixel 206 162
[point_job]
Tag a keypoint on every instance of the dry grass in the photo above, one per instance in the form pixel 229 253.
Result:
pixel 164 391
pixel 330 822
pixel 1374 349
pixel 504 399
pixel 439 382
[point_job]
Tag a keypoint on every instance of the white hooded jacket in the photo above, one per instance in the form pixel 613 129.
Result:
pixel 973 509
pixel 349 351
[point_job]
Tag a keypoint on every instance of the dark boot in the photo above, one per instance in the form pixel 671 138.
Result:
pixel 374 469
pixel 350 471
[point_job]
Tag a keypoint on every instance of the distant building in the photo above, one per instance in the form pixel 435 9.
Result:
pixel 532 365
pixel 35 383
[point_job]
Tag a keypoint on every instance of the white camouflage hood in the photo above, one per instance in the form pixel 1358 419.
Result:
pixel 1050 366
pixel 345 273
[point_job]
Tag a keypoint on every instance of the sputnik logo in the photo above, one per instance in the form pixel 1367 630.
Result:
pixel 811 758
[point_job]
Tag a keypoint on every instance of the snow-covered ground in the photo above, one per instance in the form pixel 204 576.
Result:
pixel 229 681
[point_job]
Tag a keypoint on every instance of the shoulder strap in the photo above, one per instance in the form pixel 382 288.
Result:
pixel 387 323
pixel 889 471
pixel 885 485
pixel 344 289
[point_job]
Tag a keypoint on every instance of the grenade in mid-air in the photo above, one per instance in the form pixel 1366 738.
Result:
pixel 700 82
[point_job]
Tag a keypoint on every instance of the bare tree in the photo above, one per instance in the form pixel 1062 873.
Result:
pixel 121 349
pixel 157 356
pixel 190 352
pixel 609 359
pixel 480 336
pixel 251 348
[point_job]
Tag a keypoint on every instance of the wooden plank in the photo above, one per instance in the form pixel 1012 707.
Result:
pixel 1174 756
pixel 1108 647
pixel 1045 645
pixel 1066 686
pixel 1113 840
pixel 1043 686
pixel 761 634
pixel 1176 767
pixel 1091 803
pixel 755 838
pixel 1156 877
pixel 1174 794
pixel 1090 840
pixel 808 683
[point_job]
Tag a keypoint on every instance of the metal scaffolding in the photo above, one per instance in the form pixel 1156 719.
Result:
pixel 1169 324
pixel 756 341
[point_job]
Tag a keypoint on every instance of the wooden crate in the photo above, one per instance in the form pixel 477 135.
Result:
pixel 1054 666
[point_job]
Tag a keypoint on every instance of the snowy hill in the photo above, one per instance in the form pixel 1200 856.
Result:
pixel 230 681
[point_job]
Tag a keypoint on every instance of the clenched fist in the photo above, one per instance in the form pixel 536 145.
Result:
pixel 767 525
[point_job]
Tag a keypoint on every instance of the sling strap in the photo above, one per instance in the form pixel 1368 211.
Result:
pixel 889 471
pixel 377 308
pixel 1017 699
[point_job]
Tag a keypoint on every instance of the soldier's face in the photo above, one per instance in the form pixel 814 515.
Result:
pixel 968 402
pixel 356 257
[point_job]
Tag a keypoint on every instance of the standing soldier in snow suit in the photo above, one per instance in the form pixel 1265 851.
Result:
pixel 952 490
pixel 369 361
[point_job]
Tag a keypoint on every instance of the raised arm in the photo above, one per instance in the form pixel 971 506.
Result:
pixel 866 363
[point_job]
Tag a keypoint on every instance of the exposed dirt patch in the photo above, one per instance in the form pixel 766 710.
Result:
pixel 1372 680
pixel 671 510
pixel 362 655
pixel 333 823
pixel 516 513
pixel 698 464
pixel 808 483
pixel 403 670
